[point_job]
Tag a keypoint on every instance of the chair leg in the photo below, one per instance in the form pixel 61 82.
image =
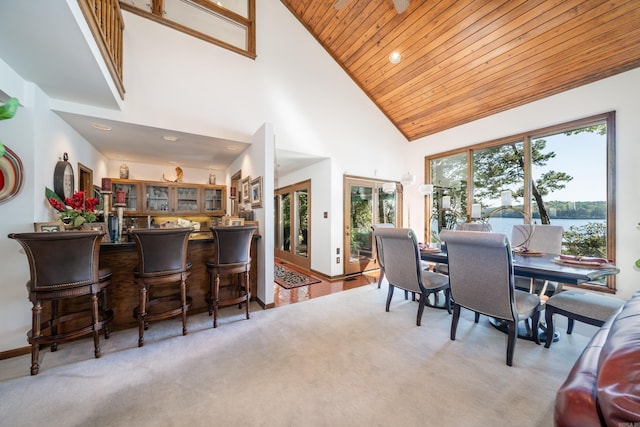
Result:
pixel 569 326
pixel 389 296
pixel 535 326
pixel 380 278
pixel 454 321
pixel 421 303
pixel 447 295
pixel 477 317
pixel 183 302
pixel 512 328
pixel 35 334
pixel 548 318
pixel 95 317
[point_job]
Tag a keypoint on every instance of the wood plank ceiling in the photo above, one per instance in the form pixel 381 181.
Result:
pixel 464 60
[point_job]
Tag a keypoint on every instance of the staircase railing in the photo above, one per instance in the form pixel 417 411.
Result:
pixel 105 20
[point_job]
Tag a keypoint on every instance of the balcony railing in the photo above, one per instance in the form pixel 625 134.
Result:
pixel 105 20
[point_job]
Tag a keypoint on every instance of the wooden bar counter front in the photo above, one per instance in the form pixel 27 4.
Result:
pixel 122 258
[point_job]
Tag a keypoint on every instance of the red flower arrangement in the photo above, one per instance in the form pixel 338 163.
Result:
pixel 75 210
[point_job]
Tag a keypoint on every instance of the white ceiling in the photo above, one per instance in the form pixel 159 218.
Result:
pixel 44 43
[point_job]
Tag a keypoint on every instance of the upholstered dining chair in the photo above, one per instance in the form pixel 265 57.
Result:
pixel 463 226
pixel 232 255
pixel 544 238
pixel 403 268
pixel 64 266
pixel 481 279
pixel 162 263
pixel 374 227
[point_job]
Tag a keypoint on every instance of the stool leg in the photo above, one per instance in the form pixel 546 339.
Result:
pixel 54 323
pixel 35 334
pixel 95 319
pixel 214 299
pixel 141 314
pixel 183 300
pixel 247 290
pixel 105 308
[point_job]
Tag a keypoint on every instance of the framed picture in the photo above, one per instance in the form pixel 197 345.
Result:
pixel 256 192
pixel 98 226
pixel 245 189
pixel 232 221
pixel 48 227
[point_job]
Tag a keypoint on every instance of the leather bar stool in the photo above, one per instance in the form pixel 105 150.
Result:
pixel 162 261
pixel 64 269
pixel 232 255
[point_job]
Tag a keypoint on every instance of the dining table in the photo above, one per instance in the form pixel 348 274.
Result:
pixel 543 267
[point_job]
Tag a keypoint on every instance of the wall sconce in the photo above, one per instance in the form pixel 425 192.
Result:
pixel 408 179
pixel 389 187
pixel 426 189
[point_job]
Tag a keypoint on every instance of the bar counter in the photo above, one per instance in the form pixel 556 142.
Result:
pixel 123 293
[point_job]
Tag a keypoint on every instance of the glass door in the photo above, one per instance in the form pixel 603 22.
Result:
pixel 292 208
pixel 366 203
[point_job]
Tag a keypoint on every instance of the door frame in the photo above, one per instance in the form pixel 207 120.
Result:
pixel 349 180
pixel 290 256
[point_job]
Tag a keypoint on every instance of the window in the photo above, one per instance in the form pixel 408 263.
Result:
pixel 229 24
pixel 561 175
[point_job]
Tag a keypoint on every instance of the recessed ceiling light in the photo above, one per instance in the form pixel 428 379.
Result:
pixel 170 138
pixel 100 126
pixel 395 57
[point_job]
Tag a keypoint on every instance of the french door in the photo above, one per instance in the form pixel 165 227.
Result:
pixel 292 224
pixel 366 203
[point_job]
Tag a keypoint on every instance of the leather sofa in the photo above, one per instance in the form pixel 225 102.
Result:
pixel 603 387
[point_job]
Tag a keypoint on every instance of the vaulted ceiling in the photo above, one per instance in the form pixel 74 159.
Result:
pixel 464 60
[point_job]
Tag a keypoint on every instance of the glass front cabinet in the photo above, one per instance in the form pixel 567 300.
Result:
pixel 169 198
pixel 127 191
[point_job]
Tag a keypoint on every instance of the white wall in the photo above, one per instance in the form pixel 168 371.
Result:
pixel 618 93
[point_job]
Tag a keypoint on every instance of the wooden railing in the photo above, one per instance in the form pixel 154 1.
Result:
pixel 105 20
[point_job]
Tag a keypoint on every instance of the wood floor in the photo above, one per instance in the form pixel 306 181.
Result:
pixel 282 296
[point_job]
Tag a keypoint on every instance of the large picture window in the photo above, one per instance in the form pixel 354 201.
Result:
pixel 561 175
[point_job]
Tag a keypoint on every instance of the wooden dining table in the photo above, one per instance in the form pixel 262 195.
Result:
pixel 543 267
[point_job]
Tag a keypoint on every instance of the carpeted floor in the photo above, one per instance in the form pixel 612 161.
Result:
pixel 289 278
pixel 338 360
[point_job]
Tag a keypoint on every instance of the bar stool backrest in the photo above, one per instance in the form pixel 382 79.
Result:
pixel 59 260
pixel 233 244
pixel 161 250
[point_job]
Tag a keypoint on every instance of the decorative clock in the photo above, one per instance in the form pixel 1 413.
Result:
pixel 63 180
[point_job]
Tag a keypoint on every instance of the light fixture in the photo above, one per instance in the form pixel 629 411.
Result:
pixel 395 57
pixel 408 179
pixel 389 187
pixel 100 126
pixel 170 138
pixel 505 197
pixel 426 189
pixel 446 202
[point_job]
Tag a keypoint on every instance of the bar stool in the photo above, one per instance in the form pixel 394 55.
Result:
pixel 64 266
pixel 232 255
pixel 162 260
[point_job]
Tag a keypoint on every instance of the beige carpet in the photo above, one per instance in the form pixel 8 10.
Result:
pixel 338 360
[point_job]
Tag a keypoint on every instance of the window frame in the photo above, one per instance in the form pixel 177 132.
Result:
pixel 527 138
